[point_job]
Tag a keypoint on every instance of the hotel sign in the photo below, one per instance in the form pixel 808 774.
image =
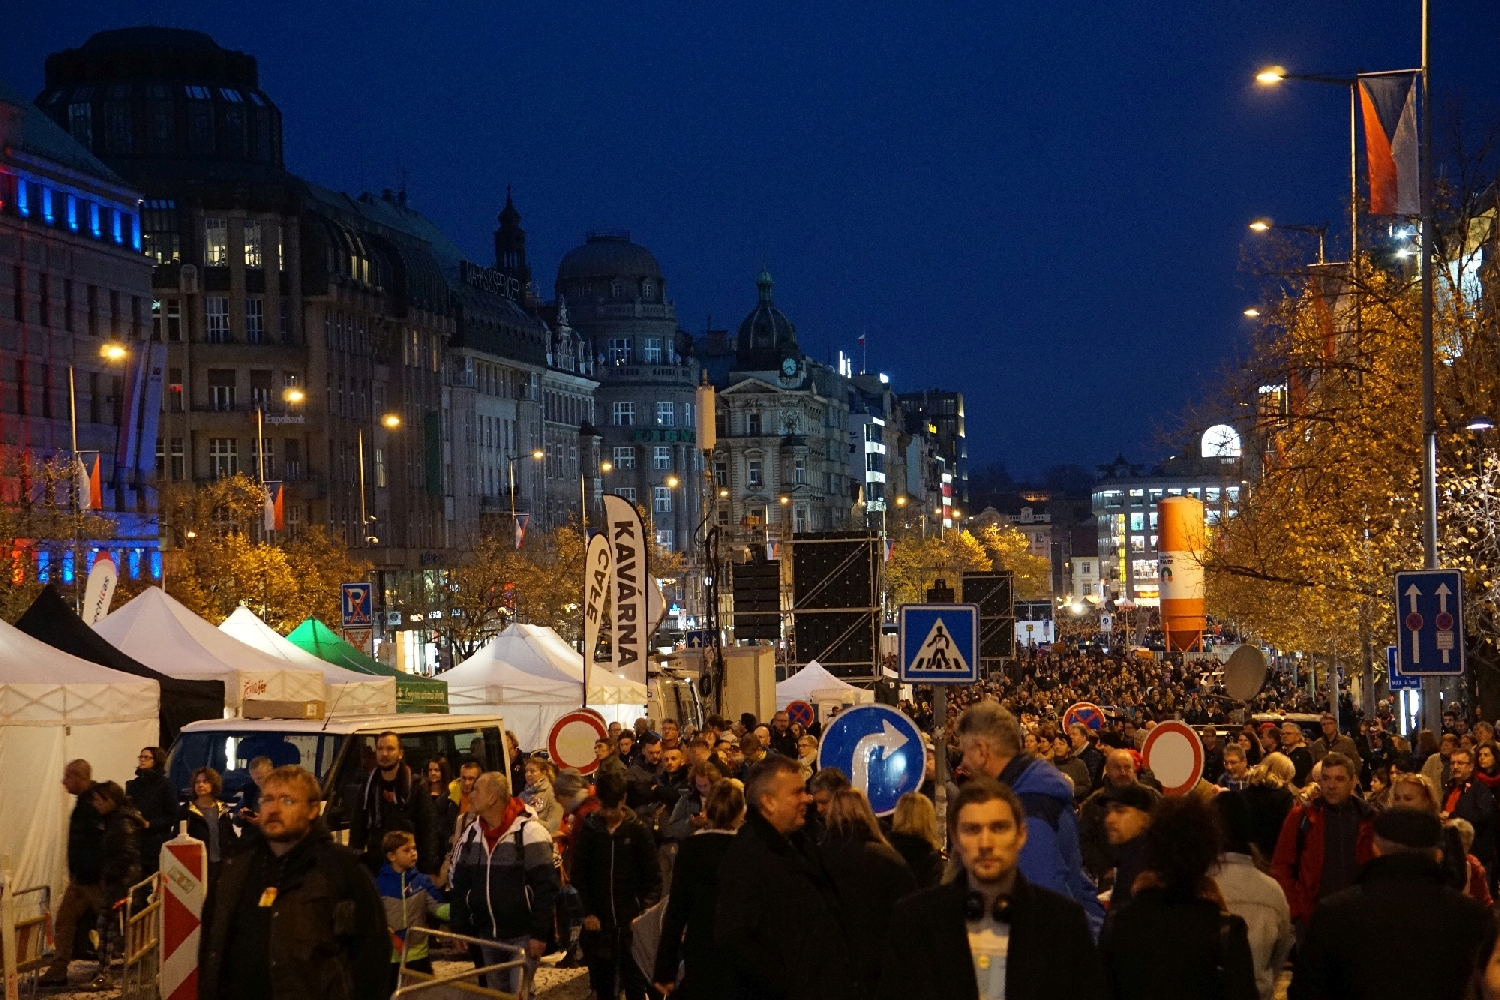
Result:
pixel 488 279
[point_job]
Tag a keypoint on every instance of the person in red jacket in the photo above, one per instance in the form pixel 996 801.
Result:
pixel 1323 842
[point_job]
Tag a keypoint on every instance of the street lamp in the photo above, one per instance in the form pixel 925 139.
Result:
pixel 1252 312
pixel 1320 230
pixel 1479 423
pixel 510 471
pixel 391 421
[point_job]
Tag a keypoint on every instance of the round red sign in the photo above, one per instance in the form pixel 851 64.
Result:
pixel 571 742
pixel 1174 754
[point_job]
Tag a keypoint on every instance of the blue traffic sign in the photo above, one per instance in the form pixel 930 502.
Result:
pixel 879 750
pixel 939 643
pixel 1395 680
pixel 355 605
pixel 1430 622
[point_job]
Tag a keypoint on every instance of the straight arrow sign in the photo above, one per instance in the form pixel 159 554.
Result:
pixel 1430 622
pixel 1414 623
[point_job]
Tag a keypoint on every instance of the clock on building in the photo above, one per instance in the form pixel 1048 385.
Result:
pixel 1221 441
pixel 789 367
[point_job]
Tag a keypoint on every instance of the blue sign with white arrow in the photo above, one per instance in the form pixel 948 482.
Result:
pixel 939 643
pixel 1430 622
pixel 1396 680
pixel 879 750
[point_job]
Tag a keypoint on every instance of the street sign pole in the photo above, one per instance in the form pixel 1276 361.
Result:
pixel 940 593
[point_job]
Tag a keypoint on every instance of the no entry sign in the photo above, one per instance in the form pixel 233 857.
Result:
pixel 1174 754
pixel 800 712
pixel 571 742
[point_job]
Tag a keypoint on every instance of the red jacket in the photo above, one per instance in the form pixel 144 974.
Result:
pixel 1301 888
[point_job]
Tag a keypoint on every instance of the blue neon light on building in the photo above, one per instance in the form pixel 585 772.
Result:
pixel 73 213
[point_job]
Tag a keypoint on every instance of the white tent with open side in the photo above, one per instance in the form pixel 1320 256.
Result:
pixel 529 674
pixel 159 632
pixel 816 686
pixel 55 707
pixel 349 692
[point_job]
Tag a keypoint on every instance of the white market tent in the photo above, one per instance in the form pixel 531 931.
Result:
pixel 349 692
pixel 816 686
pixel 54 708
pixel 158 631
pixel 530 675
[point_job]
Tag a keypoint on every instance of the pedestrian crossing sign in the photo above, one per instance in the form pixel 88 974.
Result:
pixel 939 643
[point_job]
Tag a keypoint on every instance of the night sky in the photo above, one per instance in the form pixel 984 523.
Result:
pixel 1042 205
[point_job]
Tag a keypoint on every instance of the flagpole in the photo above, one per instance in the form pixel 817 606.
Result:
pixel 1431 699
pixel 77 507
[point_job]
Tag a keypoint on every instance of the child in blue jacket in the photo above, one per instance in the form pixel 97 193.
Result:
pixel 411 899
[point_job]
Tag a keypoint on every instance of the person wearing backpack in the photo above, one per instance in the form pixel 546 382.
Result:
pixel 1323 842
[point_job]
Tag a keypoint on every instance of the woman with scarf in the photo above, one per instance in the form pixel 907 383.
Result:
pixel 538 792
pixel 1176 939
pixel 208 819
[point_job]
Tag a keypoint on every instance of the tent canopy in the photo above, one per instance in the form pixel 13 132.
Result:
pixel 56 707
pixel 530 665
pixel 814 684
pixel 349 691
pixel 413 693
pixel 51 618
pixel 157 630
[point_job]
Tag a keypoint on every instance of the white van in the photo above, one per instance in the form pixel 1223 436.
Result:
pixel 340 752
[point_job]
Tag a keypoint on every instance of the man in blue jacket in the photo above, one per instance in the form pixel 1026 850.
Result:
pixel 989 737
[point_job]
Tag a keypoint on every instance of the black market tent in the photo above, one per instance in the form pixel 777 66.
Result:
pixel 51 619
pixel 413 693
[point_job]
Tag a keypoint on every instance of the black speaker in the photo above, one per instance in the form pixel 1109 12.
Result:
pixel 757 600
pixel 995 595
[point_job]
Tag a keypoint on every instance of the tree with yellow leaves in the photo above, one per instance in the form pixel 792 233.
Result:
pixel 916 563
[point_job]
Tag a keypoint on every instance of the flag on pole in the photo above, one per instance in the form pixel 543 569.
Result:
pixel 1390 112
pixel 521 520
pixel 275 506
pixel 89 481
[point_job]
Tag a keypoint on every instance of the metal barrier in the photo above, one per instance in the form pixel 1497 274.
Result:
pixel 140 943
pixel 458 986
pixel 34 935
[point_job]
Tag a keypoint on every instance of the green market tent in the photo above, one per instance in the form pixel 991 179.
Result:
pixel 413 693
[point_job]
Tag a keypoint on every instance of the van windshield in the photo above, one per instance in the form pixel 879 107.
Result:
pixel 230 753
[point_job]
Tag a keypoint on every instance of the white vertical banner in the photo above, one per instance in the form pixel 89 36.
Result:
pixel 100 589
pixel 628 594
pixel 598 575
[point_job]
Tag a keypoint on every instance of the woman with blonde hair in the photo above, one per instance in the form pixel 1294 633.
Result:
pixel 1270 798
pixel 914 835
pixel 869 877
pixel 1416 791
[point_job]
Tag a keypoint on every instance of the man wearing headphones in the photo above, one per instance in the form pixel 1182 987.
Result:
pixel 989 934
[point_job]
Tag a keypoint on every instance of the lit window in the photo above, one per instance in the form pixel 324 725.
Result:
pixel 215 242
pixel 666 415
pixel 753 472
pixel 661 457
pixel 661 499
pixel 252 243
pixel 664 537
pixel 619 350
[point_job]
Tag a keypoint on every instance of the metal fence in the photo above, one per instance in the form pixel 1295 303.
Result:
pixel 140 942
pixel 34 935
pixel 465 985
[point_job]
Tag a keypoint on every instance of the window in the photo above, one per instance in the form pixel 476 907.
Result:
pixel 286 321
pixel 652 354
pixel 1137 522
pixel 753 472
pixel 252 243
pixel 799 470
pixel 221 388
pixel 174 390
pixel 661 499
pixel 223 457
pixel 623 414
pixel 215 243
pixel 1211 494
pixel 721 473
pixel 293 462
pixel 81 124
pixel 625 493
pixel 724 515
pixel 159 237
pixel 664 537
pixel 666 415
pixel 752 423
pixel 268 471
pixel 625 457
pixel 68 304
pixel 619 350
pixel 178 469
pixel 255 321
pixel 800 518
pixel 260 388
pixel 687 415
pixel 216 308
pixel 661 457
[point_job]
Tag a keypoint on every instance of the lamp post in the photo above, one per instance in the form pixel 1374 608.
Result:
pixel 113 352
pixel 1320 231
pixel 391 421
pixel 510 469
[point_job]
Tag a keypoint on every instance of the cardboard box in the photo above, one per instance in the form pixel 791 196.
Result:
pixel 267 708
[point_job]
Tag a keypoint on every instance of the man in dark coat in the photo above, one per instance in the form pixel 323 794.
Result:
pixel 776 915
pixel 1399 898
pixel 617 878
pixel 85 891
pixel 783 740
pixel 990 923
pixel 1471 799
pixel 296 916
pixel 394 799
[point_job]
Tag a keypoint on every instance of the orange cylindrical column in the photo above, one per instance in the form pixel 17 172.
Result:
pixel 1180 551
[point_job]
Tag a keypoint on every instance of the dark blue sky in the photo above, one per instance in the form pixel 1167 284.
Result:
pixel 1042 205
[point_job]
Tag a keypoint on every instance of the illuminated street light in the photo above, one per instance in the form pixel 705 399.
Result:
pixel 672 482
pixel 112 352
pixel 606 466
pixel 1252 312
pixel 294 395
pixel 1271 75
pixel 901 501
pixel 1479 423
pixel 391 420
pixel 539 454
pixel 1261 225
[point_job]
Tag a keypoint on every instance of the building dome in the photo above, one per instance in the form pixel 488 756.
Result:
pixel 608 255
pixel 766 336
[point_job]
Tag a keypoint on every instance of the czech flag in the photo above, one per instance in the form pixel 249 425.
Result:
pixel 275 506
pixel 1390 113
pixel 89 481
pixel 521 520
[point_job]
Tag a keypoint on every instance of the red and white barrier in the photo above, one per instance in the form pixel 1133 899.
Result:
pixel 184 884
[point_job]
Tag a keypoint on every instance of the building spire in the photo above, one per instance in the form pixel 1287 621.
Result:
pixel 763 282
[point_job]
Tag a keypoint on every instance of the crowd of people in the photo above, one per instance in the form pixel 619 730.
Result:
pixel 722 861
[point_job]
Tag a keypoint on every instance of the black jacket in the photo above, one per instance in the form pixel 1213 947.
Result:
pixel 687 930
pixel 153 796
pixel 1476 803
pixel 1161 948
pixel 1398 899
pixel 776 919
pixel 869 879
pixel 783 743
pixel 616 874
pixel 1268 809
pixel 85 841
pixel 120 852
pixel 926 955
pixel 197 826
pixel 326 936
pixel 411 812
pixel 924 860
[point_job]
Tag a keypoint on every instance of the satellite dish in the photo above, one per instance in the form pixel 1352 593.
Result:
pixel 1245 673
